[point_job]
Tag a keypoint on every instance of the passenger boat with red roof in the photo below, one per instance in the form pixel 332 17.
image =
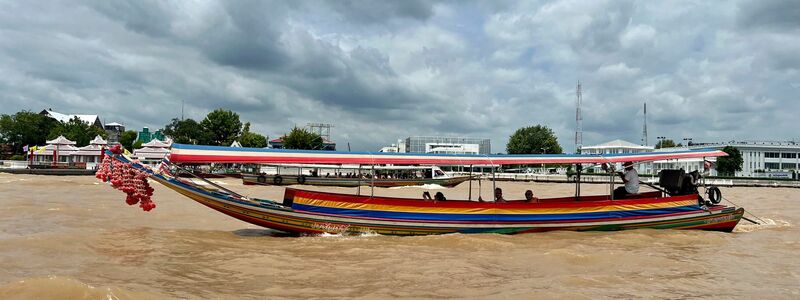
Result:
pixel 677 205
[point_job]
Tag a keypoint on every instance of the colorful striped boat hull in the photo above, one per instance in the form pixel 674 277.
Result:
pixel 308 212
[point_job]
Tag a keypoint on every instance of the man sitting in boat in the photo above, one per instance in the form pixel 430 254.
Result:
pixel 529 197
pixel 498 195
pixel 631 180
pixel 439 197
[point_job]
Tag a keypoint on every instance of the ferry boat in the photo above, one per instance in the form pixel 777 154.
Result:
pixel 679 205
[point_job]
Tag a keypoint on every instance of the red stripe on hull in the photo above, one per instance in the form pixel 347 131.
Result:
pixel 725 227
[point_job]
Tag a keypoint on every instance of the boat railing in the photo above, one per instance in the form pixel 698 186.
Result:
pixel 560 178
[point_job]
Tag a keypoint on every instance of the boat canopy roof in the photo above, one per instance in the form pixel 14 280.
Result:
pixel 182 153
pixel 347 166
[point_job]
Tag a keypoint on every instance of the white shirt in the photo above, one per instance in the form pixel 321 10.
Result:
pixel 632 184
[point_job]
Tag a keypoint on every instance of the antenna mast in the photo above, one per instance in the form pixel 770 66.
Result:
pixel 644 127
pixel 182 102
pixel 578 119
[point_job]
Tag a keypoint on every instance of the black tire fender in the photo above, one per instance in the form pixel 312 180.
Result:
pixel 301 179
pixel 714 195
pixel 261 179
pixel 277 180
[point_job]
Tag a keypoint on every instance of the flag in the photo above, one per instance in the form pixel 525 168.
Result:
pixel 126 152
pixel 25 149
pixel 164 167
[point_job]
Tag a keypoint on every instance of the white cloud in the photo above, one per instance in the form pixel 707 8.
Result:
pixel 638 36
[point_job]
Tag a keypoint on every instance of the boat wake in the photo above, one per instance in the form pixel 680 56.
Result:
pixel 766 224
pixel 346 235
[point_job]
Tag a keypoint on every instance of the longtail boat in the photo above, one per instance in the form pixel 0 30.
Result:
pixel 313 212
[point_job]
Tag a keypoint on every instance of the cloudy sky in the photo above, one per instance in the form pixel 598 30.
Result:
pixel 379 71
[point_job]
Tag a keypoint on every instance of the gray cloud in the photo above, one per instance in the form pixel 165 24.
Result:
pixel 378 12
pixel 781 15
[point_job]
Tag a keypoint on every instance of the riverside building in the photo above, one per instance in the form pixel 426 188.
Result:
pixel 769 159
pixel 440 145
pixel 619 147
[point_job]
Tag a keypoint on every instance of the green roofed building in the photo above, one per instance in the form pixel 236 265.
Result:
pixel 145 136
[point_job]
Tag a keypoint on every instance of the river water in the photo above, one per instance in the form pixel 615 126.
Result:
pixel 74 238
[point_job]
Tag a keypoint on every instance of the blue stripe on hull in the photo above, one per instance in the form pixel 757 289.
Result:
pixel 491 217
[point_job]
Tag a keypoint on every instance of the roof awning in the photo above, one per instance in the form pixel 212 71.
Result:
pixel 182 153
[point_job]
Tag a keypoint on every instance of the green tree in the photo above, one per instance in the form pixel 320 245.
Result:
pixel 251 139
pixel 136 145
pixel 186 131
pixel 25 128
pixel 300 138
pixel 728 165
pixel 127 138
pixel 78 131
pixel 222 126
pixel 533 140
pixel 666 144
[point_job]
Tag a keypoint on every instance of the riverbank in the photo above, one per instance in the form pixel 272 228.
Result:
pixel 56 172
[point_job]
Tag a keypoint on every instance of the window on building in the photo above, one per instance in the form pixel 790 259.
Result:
pixel 789 155
pixel 786 166
pixel 772 155
pixel 772 166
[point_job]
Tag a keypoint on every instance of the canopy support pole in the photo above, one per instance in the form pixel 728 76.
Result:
pixel 358 189
pixel 611 176
pixel 372 184
pixel 578 168
pixel 494 183
pixel 470 182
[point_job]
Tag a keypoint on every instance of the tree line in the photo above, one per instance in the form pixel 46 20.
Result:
pixel 222 127
pixel 30 128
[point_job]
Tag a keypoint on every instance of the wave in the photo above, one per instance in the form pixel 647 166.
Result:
pixel 55 287
pixel 765 224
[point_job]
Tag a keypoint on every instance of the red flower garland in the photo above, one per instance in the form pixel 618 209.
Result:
pixel 132 181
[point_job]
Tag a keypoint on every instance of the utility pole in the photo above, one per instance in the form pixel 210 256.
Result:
pixel 183 101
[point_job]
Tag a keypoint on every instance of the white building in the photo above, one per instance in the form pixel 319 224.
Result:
pixel 63 151
pixel 687 164
pixel 619 147
pixel 440 145
pixel 92 120
pixel 153 152
pixel 616 147
pixel 400 147
pixel 775 159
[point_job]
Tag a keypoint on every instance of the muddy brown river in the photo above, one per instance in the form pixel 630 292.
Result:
pixel 75 238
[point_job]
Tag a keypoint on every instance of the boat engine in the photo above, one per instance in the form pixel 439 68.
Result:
pixel 677 182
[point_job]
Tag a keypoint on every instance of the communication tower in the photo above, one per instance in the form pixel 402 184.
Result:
pixel 644 126
pixel 578 119
pixel 322 129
